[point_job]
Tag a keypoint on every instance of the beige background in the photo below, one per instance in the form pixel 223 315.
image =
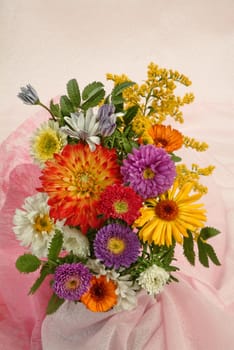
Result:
pixel 47 42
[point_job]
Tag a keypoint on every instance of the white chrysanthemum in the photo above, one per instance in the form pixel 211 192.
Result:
pixel 33 225
pixel 75 241
pixel 126 292
pixel 96 267
pixel 47 140
pixel 153 279
pixel 83 127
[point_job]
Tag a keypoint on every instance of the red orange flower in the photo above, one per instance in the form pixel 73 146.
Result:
pixel 118 201
pixel 101 296
pixel 74 181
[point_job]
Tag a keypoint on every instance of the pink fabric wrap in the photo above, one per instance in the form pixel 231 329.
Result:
pixel 195 314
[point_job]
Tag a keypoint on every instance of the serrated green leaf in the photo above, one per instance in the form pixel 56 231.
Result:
pixel 118 89
pixel 208 232
pixel 92 89
pixel 54 303
pixel 55 245
pixel 94 100
pixel 130 114
pixel 66 106
pixel 212 255
pixel 45 271
pixel 202 254
pixel 55 109
pixel 74 92
pixel 28 263
pixel 188 247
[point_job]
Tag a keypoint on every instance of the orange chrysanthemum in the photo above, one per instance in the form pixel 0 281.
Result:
pixel 165 137
pixel 74 181
pixel 101 296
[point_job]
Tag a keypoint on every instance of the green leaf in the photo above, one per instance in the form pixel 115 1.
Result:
pixel 118 89
pixel 66 106
pixel 74 92
pixel 55 109
pixel 55 245
pixel 188 246
pixel 202 254
pixel 93 100
pixel 211 254
pixel 208 232
pixel 175 158
pixel 45 271
pixel 27 263
pixel 54 303
pixel 92 89
pixel 130 114
pixel 117 100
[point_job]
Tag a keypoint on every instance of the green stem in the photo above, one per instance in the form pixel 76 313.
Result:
pixel 48 110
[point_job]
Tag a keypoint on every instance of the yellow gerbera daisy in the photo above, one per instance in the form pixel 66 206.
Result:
pixel 171 215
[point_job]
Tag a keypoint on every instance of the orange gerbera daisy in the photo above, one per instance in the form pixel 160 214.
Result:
pixel 74 181
pixel 165 137
pixel 101 296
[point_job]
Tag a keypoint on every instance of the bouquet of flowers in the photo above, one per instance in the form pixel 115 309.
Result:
pixel 114 199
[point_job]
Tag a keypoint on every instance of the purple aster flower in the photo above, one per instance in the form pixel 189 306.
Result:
pixel 116 245
pixel 106 119
pixel 71 281
pixel 149 170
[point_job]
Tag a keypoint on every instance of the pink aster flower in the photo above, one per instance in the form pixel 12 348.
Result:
pixel 149 171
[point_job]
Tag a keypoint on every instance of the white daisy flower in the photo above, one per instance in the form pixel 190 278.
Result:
pixel 33 225
pixel 83 127
pixel 153 279
pixel 47 140
pixel 75 241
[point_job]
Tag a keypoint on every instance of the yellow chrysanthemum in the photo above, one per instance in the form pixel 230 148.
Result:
pixel 171 216
pixel 47 140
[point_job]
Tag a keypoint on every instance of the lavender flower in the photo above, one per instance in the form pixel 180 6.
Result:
pixel 71 281
pixel 29 95
pixel 107 119
pixel 149 171
pixel 116 245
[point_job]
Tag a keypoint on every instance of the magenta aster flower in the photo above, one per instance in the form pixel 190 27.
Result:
pixel 120 202
pixel 149 170
pixel 116 245
pixel 71 281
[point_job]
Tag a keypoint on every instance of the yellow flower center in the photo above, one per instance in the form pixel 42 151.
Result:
pixel 43 223
pixel 121 207
pixel 72 283
pixel 116 245
pixel 47 144
pixel 148 174
pixel 167 210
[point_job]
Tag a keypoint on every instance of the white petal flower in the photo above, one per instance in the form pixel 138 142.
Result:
pixel 75 241
pixel 126 294
pixel 47 140
pixel 83 127
pixel 33 225
pixel 153 279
